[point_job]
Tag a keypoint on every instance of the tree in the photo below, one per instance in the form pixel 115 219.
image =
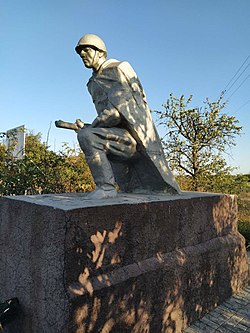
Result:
pixel 196 138
pixel 43 171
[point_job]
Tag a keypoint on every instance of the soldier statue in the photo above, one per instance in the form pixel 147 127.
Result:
pixel 121 146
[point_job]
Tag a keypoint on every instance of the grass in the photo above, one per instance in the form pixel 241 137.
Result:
pixel 244 217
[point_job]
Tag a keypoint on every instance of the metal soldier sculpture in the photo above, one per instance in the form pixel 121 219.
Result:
pixel 121 145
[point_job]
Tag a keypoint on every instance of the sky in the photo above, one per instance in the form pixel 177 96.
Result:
pixel 175 46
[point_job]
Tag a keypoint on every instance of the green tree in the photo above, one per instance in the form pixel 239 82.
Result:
pixel 196 138
pixel 42 170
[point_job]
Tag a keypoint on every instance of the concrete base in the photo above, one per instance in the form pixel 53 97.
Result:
pixel 133 264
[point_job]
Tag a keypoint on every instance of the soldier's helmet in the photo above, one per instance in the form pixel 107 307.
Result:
pixel 91 40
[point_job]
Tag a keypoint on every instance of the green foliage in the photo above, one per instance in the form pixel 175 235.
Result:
pixel 219 183
pixel 196 138
pixel 244 229
pixel 43 171
pixel 244 212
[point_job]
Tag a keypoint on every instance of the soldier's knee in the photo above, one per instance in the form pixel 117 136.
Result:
pixel 85 136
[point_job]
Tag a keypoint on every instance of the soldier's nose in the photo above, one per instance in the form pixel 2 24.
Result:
pixel 82 53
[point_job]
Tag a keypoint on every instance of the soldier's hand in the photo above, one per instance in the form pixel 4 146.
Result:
pixel 80 124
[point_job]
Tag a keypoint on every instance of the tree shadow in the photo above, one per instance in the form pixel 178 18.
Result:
pixel 169 286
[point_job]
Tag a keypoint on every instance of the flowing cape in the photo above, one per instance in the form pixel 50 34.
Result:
pixel 117 82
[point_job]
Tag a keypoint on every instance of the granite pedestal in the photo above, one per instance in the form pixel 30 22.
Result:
pixel 132 264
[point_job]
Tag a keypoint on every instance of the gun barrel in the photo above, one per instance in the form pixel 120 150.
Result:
pixel 65 124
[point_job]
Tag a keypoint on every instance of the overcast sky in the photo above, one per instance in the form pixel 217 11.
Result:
pixel 178 46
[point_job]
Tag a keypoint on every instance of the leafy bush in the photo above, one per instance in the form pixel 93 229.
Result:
pixel 43 171
pixel 244 217
pixel 244 229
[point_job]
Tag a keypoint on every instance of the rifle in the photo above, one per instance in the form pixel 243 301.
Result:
pixel 72 126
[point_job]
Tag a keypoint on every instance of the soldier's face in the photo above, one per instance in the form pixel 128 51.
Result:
pixel 89 56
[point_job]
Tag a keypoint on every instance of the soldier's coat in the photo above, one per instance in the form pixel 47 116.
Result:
pixel 116 85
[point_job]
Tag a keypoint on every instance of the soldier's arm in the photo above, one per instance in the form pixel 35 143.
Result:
pixel 109 117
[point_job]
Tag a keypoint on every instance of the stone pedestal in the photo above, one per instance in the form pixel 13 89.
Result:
pixel 133 264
